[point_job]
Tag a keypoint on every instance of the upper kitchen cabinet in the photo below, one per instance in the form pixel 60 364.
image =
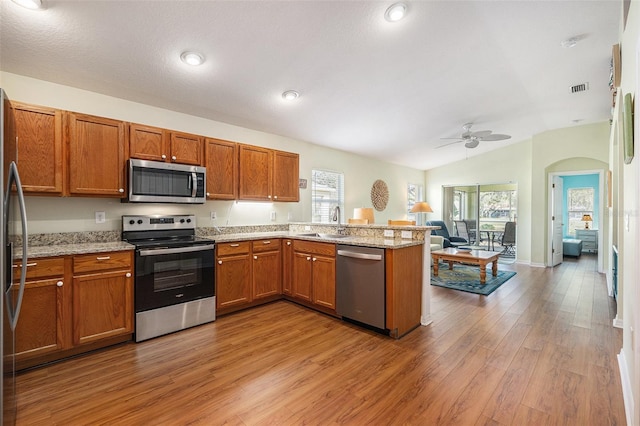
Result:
pixel 155 144
pixel 268 175
pixel 39 153
pixel 285 176
pixel 221 160
pixel 97 148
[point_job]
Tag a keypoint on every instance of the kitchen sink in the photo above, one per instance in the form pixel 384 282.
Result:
pixel 328 236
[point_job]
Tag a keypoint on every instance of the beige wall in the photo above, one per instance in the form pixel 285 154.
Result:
pixel 51 214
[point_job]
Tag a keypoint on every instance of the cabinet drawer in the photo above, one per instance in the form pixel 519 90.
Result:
pixel 266 245
pixel 240 247
pixel 37 268
pixel 102 261
pixel 327 249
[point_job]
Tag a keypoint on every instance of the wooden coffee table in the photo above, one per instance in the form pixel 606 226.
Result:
pixel 473 257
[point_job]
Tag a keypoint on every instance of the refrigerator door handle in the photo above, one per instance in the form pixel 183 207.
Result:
pixel 14 176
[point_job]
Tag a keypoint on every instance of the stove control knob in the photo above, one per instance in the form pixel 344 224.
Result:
pixel 188 220
pixel 139 221
pixel 131 222
pixel 181 220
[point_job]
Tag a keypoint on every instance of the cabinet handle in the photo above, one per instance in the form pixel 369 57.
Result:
pixel 121 190
pixel 288 243
pixel 174 158
pixel 103 258
pixel 266 242
pixel 128 275
pixel 255 257
pixel 314 259
pixel 234 245
pixel 59 283
pixel 275 197
pixel 208 194
pixel 27 265
pixel 308 258
pixel 269 196
pixel 219 262
pixel 164 157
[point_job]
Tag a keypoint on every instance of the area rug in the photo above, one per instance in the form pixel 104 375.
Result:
pixel 467 278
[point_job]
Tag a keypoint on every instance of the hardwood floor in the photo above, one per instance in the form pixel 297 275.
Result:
pixel 540 350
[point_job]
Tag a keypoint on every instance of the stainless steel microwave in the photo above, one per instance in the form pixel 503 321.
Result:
pixel 157 182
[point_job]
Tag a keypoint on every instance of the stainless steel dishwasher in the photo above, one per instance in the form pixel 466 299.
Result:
pixel 360 285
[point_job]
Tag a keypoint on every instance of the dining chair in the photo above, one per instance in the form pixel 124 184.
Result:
pixel 508 241
pixel 463 231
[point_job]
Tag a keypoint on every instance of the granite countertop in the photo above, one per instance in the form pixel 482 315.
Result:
pixel 71 249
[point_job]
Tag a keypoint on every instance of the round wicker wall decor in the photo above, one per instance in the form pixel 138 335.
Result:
pixel 379 195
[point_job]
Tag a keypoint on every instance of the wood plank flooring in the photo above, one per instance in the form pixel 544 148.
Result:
pixel 539 351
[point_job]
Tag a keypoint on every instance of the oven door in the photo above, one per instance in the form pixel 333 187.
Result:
pixel 169 276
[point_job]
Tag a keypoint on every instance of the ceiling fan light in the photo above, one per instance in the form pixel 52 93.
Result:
pixel 395 12
pixel 30 4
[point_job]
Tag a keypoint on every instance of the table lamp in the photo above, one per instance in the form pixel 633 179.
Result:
pixel 586 218
pixel 421 207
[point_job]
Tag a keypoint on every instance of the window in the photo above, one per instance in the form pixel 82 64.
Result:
pixel 327 193
pixel 414 194
pixel 498 207
pixel 579 202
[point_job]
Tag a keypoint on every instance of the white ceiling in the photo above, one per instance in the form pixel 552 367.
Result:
pixel 379 89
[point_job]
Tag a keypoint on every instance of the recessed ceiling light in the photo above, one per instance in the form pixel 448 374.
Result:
pixel 30 4
pixel 290 95
pixel 192 58
pixel 395 12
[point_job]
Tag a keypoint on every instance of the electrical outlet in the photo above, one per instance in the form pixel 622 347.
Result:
pixel 213 215
pixel 406 235
pixel 289 216
pixel 273 215
pixel 307 228
pixel 388 233
pixel 101 217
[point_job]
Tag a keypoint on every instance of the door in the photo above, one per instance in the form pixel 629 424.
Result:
pixel 556 221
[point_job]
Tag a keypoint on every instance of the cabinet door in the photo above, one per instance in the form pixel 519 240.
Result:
pixel 41 328
pixel 96 156
pixel 39 154
pixel 147 143
pixel 287 266
pixel 266 274
pixel 102 306
pixel 301 286
pixel 186 149
pixel 233 281
pixel 221 159
pixel 324 281
pixel 255 173
pixel 285 176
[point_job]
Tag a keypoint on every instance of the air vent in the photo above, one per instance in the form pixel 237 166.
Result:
pixel 583 87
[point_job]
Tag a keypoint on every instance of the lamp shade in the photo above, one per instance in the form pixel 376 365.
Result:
pixel 587 218
pixel 363 213
pixel 421 207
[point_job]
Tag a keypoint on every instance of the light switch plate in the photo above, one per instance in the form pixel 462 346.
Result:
pixel 214 215
pixel 388 233
pixel 101 217
pixel 406 235
pixel 273 215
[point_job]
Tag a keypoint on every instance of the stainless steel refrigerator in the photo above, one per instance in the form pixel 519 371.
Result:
pixel 13 244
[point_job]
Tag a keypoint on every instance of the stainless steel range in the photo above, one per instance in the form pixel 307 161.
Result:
pixel 174 274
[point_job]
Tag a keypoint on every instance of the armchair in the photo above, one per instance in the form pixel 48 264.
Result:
pixel 449 241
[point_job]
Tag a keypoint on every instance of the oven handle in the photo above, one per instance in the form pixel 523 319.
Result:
pixel 158 252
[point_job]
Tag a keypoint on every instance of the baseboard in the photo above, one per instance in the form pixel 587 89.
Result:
pixel 426 320
pixel 537 265
pixel 618 323
pixel 627 392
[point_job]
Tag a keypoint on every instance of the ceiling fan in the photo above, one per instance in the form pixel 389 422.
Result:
pixel 472 139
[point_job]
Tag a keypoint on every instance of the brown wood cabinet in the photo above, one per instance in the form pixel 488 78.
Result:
pixel 43 326
pixel 96 148
pixel 102 296
pixel 156 144
pixel 403 274
pixel 268 175
pixel 287 265
pixel 39 148
pixel 233 274
pixel 314 273
pixel 266 268
pixel 221 160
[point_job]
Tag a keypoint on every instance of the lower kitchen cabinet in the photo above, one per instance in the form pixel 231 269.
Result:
pixel 314 273
pixel 403 275
pixel 73 304
pixel 233 275
pixel 266 268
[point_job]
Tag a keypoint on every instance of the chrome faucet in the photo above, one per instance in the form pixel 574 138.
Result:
pixel 336 218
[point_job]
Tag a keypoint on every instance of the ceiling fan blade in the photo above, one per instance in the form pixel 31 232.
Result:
pixel 496 137
pixel 449 143
pixel 481 134
pixel 472 143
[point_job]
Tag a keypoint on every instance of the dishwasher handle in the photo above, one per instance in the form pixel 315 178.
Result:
pixel 358 255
